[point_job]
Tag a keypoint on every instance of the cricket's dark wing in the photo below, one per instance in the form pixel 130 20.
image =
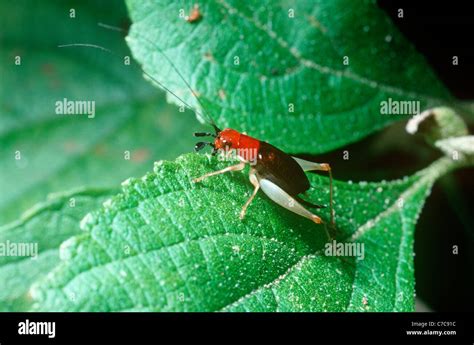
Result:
pixel 281 169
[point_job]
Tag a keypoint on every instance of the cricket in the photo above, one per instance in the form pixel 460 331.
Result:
pixel 280 176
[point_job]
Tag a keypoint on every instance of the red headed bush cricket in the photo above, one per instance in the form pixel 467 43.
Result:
pixel 279 175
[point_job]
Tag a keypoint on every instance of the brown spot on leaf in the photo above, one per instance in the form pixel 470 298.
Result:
pixel 195 15
pixel 316 24
pixel 100 150
pixel 208 56
pixel 70 146
pixel 222 94
pixel 48 69
pixel 364 300
pixel 140 155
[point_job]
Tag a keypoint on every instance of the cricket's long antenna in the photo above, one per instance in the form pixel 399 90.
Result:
pixel 209 118
pixel 95 46
pixel 331 206
pixel 110 27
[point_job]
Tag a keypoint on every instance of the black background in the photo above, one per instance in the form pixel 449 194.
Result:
pixel 440 30
pixel 236 328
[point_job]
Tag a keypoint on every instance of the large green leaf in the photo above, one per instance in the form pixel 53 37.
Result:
pixel 166 244
pixel 44 228
pixel 285 62
pixel 60 152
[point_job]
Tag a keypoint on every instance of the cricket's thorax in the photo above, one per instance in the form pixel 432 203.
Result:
pixel 245 146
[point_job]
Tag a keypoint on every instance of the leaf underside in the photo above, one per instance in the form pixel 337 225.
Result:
pixel 46 226
pixel 62 152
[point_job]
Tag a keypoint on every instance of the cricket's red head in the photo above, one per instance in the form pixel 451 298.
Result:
pixel 227 139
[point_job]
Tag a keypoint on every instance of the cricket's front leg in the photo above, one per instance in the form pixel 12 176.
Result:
pixel 236 167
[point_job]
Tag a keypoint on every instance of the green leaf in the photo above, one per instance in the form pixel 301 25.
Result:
pixel 41 231
pixel 166 244
pixel 252 63
pixel 60 152
pixel 437 124
pixel 457 146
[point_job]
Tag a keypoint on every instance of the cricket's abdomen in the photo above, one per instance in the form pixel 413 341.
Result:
pixel 281 169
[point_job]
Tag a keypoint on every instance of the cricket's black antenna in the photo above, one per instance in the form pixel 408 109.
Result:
pixel 209 117
pixel 200 145
pixel 95 46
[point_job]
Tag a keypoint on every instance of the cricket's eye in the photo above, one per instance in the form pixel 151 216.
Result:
pixel 224 143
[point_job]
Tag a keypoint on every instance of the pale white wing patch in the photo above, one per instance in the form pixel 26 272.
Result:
pixel 285 200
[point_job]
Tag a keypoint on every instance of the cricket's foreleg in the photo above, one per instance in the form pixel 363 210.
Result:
pixel 253 179
pixel 236 167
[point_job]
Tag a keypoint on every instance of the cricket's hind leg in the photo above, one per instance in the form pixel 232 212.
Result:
pixel 313 166
pixel 307 203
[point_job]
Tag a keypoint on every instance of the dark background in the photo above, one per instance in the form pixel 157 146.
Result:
pixel 444 282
